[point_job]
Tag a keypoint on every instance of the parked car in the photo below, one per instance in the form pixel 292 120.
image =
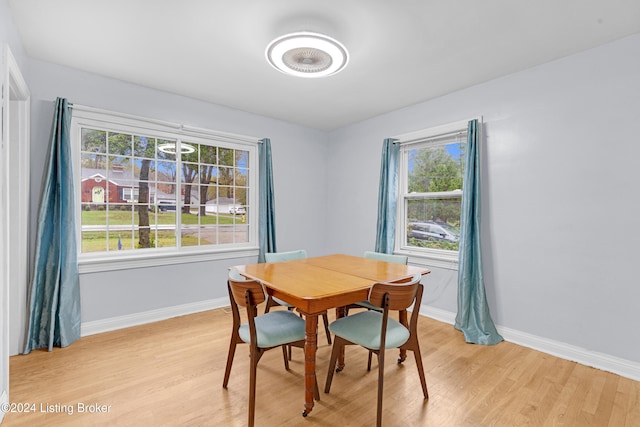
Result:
pixel 166 205
pixel 237 210
pixel 434 231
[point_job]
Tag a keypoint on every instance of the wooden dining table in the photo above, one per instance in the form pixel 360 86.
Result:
pixel 315 285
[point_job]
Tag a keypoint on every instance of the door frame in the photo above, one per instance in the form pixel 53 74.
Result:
pixel 14 215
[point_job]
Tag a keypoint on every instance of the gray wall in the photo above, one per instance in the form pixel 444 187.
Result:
pixel 9 34
pixel 299 159
pixel 560 208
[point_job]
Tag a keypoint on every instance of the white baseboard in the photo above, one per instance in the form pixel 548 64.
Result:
pixel 4 400
pixel 605 362
pixel 111 324
pixel 438 314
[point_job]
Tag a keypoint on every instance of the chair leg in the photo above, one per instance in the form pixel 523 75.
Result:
pixel 369 361
pixel 325 319
pixel 380 387
pixel 285 356
pixel 335 351
pixel 423 381
pixel 252 388
pixel 316 391
pixel 227 372
pixel 270 303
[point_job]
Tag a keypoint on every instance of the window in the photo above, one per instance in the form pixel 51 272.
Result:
pixel 148 188
pixel 430 192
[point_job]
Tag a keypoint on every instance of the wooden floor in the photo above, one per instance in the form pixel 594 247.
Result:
pixel 170 374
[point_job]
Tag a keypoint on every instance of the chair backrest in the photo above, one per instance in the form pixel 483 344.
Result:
pixel 285 256
pixel 413 323
pixel 396 259
pixel 244 292
pixel 400 296
pixel 248 294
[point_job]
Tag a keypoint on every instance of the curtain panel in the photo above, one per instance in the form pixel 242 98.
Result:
pixel 473 317
pixel 54 299
pixel 387 197
pixel 267 209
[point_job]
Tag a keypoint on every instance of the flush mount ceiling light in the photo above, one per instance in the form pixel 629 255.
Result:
pixel 306 54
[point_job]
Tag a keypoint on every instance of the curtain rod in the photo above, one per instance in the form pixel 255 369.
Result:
pixel 430 138
pixel 435 132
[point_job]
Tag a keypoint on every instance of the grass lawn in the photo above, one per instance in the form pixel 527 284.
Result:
pixel 96 241
pixel 119 217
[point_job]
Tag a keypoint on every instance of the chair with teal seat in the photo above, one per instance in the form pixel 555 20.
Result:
pixel 379 256
pixel 277 329
pixel 285 256
pixel 272 302
pixel 278 257
pixel 377 332
pixel 396 259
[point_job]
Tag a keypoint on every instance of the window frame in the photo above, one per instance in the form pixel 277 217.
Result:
pixel 95 118
pixel 423 138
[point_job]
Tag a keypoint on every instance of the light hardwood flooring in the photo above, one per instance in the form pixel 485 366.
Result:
pixel 170 373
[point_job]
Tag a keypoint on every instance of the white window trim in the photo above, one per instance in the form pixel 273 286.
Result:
pixel 424 256
pixel 159 257
pixel 108 261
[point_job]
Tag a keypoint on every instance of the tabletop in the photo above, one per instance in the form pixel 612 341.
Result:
pixel 316 284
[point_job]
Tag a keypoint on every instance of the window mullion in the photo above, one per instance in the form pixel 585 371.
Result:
pixel 179 197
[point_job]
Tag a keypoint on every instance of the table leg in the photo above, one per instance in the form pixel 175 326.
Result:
pixel 310 346
pixel 340 312
pixel 403 319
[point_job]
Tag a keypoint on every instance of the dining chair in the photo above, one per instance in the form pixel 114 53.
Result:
pixel 278 257
pixel 272 302
pixel 396 259
pixel 264 332
pixel 377 332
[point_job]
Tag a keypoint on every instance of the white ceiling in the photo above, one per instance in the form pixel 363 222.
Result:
pixel 402 51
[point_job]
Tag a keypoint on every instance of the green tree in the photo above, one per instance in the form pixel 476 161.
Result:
pixel 226 160
pixel 435 170
pixel 94 144
pixel 144 147
pixel 189 174
pixel 208 159
pixel 166 169
pixel 121 148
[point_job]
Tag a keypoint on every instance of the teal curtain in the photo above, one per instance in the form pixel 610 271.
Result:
pixel 54 317
pixel 387 197
pixel 473 317
pixel 267 209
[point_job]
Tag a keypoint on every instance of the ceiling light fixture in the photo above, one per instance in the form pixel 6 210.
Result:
pixel 307 54
pixel 170 148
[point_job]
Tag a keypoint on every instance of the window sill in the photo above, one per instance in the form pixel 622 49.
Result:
pixel 440 259
pixel 119 261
